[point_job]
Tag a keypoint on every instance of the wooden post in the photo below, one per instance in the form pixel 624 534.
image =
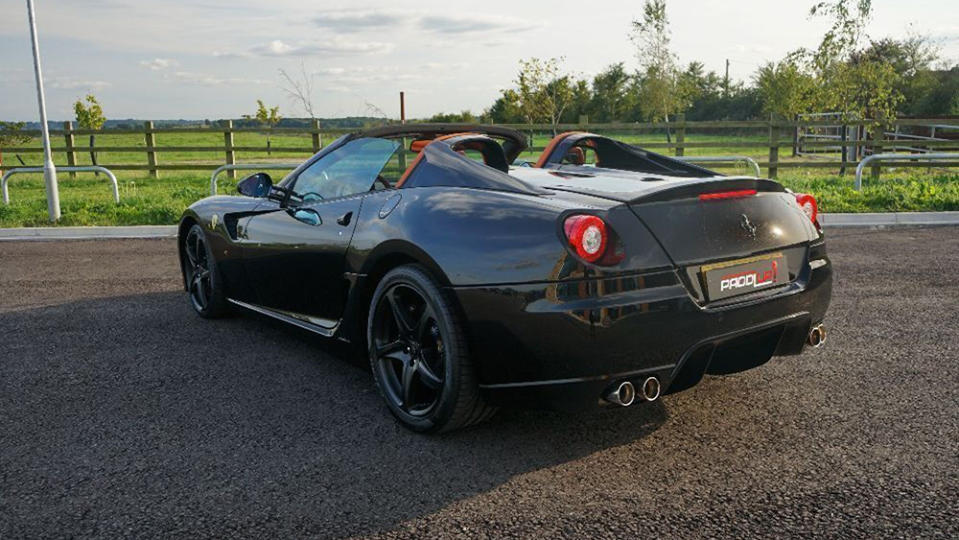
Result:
pixel 773 149
pixel 317 139
pixel 877 138
pixel 796 135
pixel 843 150
pixel 149 137
pixel 71 141
pixel 680 134
pixel 228 147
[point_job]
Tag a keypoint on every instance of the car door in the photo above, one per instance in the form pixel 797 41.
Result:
pixel 295 252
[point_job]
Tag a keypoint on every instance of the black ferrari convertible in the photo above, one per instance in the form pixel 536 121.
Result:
pixel 602 273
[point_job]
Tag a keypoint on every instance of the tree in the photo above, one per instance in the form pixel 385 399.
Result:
pixel 90 116
pixel 11 134
pixel 266 118
pixel 506 108
pixel 611 94
pixel 849 19
pixel 579 103
pixel 785 89
pixel 543 93
pixel 660 93
pixel 912 58
pixel 299 88
pixel 857 87
pixel 464 117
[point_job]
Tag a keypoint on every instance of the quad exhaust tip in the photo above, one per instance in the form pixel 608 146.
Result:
pixel 650 389
pixel 817 336
pixel 625 393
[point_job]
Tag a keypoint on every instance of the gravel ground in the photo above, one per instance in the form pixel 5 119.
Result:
pixel 123 414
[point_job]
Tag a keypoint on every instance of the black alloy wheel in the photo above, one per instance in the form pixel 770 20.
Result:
pixel 201 275
pixel 419 356
pixel 409 350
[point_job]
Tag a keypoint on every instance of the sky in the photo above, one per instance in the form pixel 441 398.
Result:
pixel 197 59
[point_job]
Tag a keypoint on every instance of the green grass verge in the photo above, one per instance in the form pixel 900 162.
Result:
pixel 144 201
pixel 86 200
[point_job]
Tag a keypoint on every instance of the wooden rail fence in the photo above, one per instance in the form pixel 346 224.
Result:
pixel 778 135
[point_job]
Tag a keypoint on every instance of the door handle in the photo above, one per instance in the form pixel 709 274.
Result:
pixel 345 219
pixel 308 216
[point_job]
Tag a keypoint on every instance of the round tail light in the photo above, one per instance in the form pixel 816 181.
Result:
pixel 587 235
pixel 809 206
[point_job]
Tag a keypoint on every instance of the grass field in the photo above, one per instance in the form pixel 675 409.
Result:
pixel 87 200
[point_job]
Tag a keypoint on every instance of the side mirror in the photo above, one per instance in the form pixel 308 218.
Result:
pixel 256 185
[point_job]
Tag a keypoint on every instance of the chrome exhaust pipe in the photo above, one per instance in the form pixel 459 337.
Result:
pixel 650 389
pixel 623 395
pixel 817 336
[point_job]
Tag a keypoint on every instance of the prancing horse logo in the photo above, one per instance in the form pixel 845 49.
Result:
pixel 748 226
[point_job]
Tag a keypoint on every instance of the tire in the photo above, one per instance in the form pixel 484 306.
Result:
pixel 202 276
pixel 422 366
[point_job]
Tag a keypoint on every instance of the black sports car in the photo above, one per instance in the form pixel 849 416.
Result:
pixel 602 273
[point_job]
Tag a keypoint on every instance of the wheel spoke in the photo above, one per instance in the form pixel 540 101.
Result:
pixel 386 350
pixel 407 384
pixel 201 291
pixel 423 322
pixel 398 313
pixel 193 282
pixel 429 378
pixel 201 252
pixel 196 247
pixel 191 257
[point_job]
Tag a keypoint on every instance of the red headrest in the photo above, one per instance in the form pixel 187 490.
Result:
pixel 576 156
pixel 419 144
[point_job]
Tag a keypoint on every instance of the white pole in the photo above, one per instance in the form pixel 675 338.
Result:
pixel 49 170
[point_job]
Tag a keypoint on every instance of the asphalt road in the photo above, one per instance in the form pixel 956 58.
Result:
pixel 123 414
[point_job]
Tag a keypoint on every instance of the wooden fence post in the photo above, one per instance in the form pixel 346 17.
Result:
pixel 843 150
pixel 149 137
pixel 71 141
pixel 680 134
pixel 315 134
pixel 773 149
pixel 228 146
pixel 796 135
pixel 877 138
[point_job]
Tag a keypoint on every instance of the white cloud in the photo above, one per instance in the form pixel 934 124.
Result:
pixel 207 79
pixel 159 64
pixel 73 83
pixel 360 20
pixel 440 66
pixel 466 24
pixel 353 21
pixel 335 47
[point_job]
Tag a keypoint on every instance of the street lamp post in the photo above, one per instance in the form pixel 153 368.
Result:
pixel 49 169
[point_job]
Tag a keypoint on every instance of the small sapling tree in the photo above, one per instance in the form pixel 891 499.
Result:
pixel 90 116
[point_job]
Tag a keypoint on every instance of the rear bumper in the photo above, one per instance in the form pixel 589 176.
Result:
pixel 563 345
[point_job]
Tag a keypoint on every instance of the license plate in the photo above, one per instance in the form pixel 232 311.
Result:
pixel 732 278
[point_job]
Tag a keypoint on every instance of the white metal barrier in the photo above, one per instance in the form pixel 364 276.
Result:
pixel 247 167
pixel 750 162
pixel 85 168
pixel 875 158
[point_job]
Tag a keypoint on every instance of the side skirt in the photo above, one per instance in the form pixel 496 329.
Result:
pixel 323 327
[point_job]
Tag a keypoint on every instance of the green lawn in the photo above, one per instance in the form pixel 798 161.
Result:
pixel 87 200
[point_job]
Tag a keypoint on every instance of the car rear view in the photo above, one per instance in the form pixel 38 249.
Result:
pixel 735 272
